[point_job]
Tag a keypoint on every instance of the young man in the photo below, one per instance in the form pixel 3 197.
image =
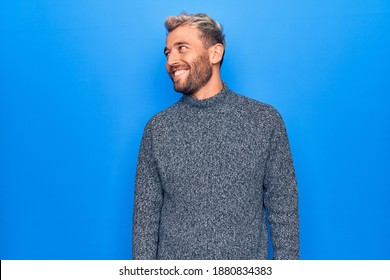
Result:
pixel 212 164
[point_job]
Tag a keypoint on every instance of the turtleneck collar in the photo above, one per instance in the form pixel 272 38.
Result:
pixel 208 102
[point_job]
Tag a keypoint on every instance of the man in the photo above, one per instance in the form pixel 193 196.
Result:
pixel 213 164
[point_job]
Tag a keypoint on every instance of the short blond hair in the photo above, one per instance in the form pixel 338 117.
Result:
pixel 210 31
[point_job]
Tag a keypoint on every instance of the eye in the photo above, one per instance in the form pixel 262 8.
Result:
pixel 166 53
pixel 182 48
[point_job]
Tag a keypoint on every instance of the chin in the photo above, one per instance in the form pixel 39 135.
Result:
pixel 182 89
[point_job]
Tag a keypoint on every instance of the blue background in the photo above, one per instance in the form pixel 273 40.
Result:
pixel 79 80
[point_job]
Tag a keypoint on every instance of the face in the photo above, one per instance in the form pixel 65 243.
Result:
pixel 188 62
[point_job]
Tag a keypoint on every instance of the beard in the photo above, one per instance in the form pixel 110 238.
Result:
pixel 200 72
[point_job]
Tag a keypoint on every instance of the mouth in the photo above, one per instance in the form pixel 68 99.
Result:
pixel 177 74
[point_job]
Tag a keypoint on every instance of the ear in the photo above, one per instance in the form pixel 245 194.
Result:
pixel 216 53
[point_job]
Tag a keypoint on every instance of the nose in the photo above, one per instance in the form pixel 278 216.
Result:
pixel 172 59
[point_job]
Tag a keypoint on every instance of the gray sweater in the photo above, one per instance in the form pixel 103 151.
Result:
pixel 208 170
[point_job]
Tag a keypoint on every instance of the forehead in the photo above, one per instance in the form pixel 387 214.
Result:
pixel 184 33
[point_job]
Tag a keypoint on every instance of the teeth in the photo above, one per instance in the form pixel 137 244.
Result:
pixel 179 72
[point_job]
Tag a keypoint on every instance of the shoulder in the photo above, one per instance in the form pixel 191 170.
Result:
pixel 256 109
pixel 164 118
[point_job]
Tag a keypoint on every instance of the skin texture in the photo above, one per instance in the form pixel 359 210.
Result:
pixel 194 69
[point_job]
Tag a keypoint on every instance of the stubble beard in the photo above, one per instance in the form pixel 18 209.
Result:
pixel 199 75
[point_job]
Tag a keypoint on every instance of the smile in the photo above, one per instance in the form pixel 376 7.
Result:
pixel 179 72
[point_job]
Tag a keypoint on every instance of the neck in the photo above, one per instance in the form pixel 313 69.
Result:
pixel 210 89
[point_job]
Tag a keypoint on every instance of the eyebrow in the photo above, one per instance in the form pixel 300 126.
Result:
pixel 176 44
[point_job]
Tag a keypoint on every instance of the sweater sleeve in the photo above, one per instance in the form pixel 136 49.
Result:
pixel 281 196
pixel 147 202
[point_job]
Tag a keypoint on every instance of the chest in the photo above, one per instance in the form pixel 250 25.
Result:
pixel 205 150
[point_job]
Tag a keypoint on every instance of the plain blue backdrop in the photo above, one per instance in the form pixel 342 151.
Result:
pixel 79 80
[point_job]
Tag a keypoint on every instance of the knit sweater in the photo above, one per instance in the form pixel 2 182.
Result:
pixel 208 171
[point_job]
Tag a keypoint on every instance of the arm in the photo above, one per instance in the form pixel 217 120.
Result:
pixel 281 196
pixel 147 202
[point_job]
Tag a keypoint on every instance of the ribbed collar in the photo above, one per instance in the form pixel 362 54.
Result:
pixel 219 98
